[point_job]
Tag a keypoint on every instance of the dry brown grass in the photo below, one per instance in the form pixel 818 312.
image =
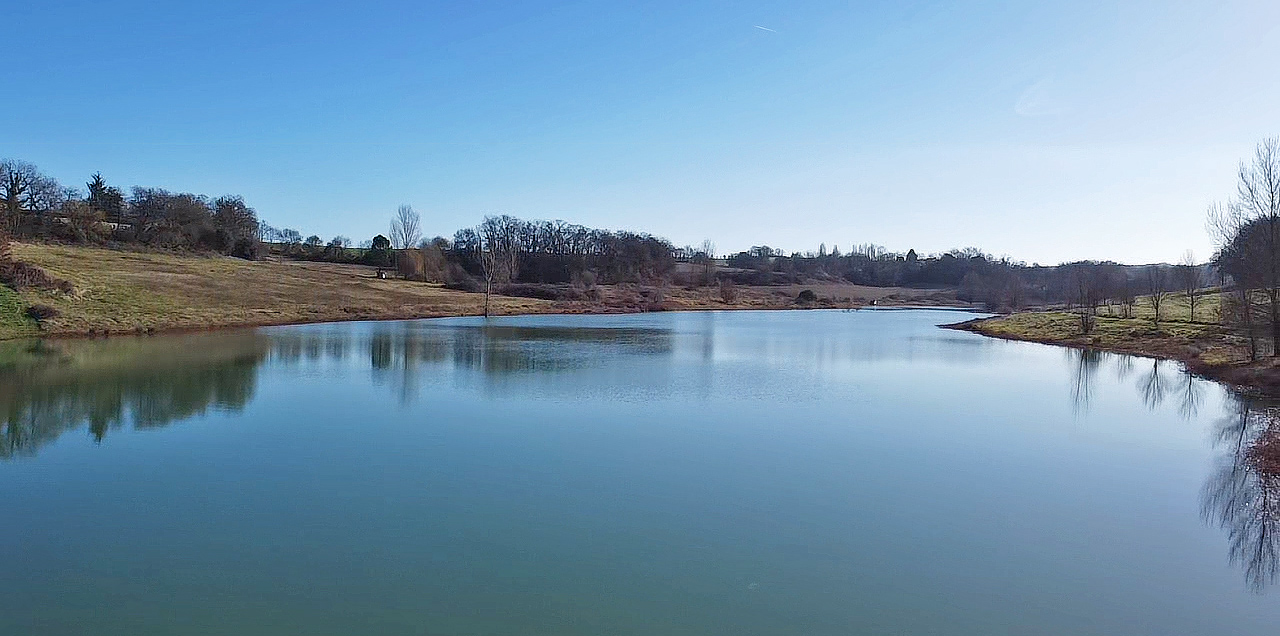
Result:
pixel 117 291
pixel 130 292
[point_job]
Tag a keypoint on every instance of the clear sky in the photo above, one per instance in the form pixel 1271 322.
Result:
pixel 1044 131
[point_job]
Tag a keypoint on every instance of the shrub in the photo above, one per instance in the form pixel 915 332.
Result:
pixel 807 297
pixel 410 265
pixel 655 299
pixel 18 275
pixel 83 224
pixel 457 278
pixel 584 280
pixel 434 263
pixel 728 291
pixel 42 312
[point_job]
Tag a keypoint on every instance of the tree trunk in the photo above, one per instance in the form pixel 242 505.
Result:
pixel 1246 314
pixel 488 285
pixel 1273 295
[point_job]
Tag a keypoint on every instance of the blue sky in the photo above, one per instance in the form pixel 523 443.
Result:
pixel 1045 131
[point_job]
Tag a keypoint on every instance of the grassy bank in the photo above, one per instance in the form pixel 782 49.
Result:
pixel 1204 348
pixel 132 292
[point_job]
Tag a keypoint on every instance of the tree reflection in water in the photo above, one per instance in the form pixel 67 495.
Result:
pixel 1085 367
pixel 400 353
pixel 47 389
pixel 1154 381
pixel 1242 494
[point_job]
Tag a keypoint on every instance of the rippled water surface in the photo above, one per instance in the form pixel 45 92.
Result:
pixel 820 472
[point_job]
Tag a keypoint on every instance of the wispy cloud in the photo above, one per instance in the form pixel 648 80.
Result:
pixel 1038 100
pixel 764 28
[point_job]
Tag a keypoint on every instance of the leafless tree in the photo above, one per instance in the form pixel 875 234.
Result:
pixel 1091 284
pixel 1126 296
pixel 24 189
pixel 1157 289
pixel 1190 279
pixel 406 228
pixel 708 257
pixel 1247 231
pixel 499 252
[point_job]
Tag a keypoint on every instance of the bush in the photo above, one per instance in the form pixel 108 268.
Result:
pixel 728 291
pixel 457 278
pixel 434 263
pixel 18 275
pixel 655 300
pixel 584 280
pixel 410 265
pixel 807 297
pixel 246 248
pixel 83 224
pixel 42 312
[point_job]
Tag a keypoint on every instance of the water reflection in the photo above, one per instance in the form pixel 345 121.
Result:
pixel 1085 364
pixel 1157 380
pixel 1242 494
pixel 47 389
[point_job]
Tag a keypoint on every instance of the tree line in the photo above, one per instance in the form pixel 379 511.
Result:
pixel 35 205
pixel 996 282
pixel 504 251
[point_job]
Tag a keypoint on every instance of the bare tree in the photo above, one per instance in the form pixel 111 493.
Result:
pixel 1247 231
pixel 1190 279
pixel 24 189
pixel 406 228
pixel 708 253
pixel 499 252
pixel 1091 284
pixel 1157 289
pixel 1126 296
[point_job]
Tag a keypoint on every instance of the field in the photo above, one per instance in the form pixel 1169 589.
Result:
pixel 1203 347
pixel 140 292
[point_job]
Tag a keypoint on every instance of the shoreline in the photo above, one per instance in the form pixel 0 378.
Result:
pixel 94 334
pixel 1212 355
pixel 116 292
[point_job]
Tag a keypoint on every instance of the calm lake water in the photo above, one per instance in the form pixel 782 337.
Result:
pixel 820 472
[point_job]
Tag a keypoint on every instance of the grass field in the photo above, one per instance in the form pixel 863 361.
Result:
pixel 1174 308
pixel 1204 346
pixel 119 292
pixel 14 322
pixel 132 292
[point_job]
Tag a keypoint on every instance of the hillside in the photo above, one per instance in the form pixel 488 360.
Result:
pixel 141 292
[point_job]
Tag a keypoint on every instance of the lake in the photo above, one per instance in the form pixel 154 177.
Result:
pixel 809 472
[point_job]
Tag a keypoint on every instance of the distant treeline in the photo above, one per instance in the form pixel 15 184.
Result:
pixel 508 252
pixel 998 283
